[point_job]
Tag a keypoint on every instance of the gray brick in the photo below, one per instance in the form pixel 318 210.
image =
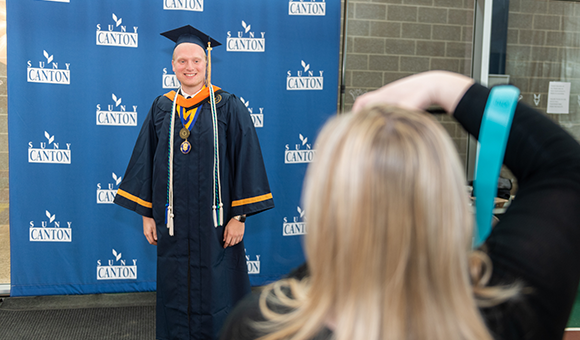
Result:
pixel 560 8
pixel 461 17
pixel 389 1
pixel 449 127
pixel 416 31
pixel 519 53
pixel 460 143
pixel 367 79
pixel 3 88
pixel 385 29
pixel 359 62
pixel 383 63
pixel 518 20
pixel 347 78
pixel 521 83
pixel 4 122
pixel 539 85
pixel 3 161
pixel 532 37
pixel 353 93
pixel 430 48
pixel 369 45
pixel 449 3
pixel 574 130
pixel 358 28
pixel 552 70
pixel 389 77
pixel 470 4
pixel 414 64
pixel 400 46
pixel 429 15
pixel 458 50
pixel 576 9
pixel 515 6
pixel 446 32
pixel 3 107
pixel 466 33
pixel 570 24
pixel 402 13
pixel 349 44
pixel 446 64
pixel 3 142
pixel 562 39
pixel 465 67
pixel 528 69
pixel 512 36
pixel 370 11
pixel 419 2
pixel 350 10
pixel 536 7
pixel 544 53
pixel 547 22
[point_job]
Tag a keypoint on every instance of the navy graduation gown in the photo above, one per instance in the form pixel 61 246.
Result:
pixel 198 282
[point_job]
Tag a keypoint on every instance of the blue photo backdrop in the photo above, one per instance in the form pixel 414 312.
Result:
pixel 82 75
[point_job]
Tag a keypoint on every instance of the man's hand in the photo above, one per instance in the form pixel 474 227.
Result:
pixel 233 233
pixel 150 230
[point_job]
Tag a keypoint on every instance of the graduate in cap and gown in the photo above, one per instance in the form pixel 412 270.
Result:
pixel 195 174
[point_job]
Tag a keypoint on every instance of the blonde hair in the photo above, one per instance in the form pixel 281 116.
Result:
pixel 389 238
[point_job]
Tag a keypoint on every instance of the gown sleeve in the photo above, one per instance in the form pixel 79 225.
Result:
pixel 250 188
pixel 537 240
pixel 135 190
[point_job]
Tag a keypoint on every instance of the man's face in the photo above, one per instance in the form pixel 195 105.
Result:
pixel 189 66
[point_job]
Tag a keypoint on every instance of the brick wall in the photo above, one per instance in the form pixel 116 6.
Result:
pixel 544 46
pixel 390 39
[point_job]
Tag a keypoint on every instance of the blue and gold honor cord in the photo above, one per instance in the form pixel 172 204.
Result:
pixel 493 136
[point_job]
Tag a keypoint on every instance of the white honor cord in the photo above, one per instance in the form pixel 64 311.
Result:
pixel 218 211
pixel 169 212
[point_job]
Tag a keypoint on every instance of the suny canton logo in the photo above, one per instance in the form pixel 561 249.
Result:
pixel 185 5
pixel 120 38
pixel 296 227
pixel 45 155
pixel 106 196
pixel 246 44
pixel 253 266
pixel 257 118
pixel 304 80
pixel 51 75
pixel 299 155
pixel 169 80
pixel 120 117
pixel 117 269
pixel 47 233
pixel 311 7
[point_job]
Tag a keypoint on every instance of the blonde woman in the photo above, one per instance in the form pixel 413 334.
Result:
pixel 390 229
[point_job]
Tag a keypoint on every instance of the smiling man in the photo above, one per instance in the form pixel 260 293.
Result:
pixel 196 172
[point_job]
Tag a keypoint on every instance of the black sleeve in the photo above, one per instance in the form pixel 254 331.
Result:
pixel 238 325
pixel 135 191
pixel 537 240
pixel 250 188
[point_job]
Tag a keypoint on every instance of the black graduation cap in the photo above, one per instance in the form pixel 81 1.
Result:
pixel 188 34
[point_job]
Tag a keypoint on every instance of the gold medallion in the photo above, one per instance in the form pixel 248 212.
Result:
pixel 185 147
pixel 184 133
pixel 218 98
